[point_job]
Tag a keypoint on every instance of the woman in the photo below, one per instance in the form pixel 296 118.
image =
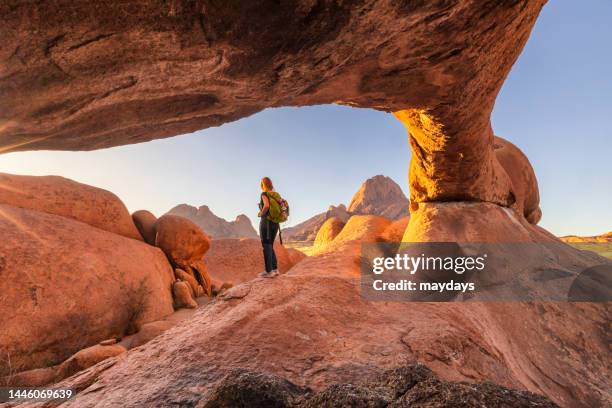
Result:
pixel 267 229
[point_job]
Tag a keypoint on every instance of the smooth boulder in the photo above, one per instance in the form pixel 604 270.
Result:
pixel 88 357
pixel 364 228
pixel 145 222
pixel 181 240
pixel 196 288
pixel 66 285
pixel 328 231
pixel 183 295
pixel 522 177
pixel 67 198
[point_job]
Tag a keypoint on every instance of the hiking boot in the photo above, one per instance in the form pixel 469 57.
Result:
pixel 274 273
pixel 265 274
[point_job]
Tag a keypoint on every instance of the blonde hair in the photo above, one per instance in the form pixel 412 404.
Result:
pixel 266 184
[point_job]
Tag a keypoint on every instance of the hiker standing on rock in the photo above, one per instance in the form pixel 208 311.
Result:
pixel 272 211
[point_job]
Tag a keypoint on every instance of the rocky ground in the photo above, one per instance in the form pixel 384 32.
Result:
pixel 308 336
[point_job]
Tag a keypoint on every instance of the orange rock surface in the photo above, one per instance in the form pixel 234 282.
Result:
pixel 181 240
pixel 145 222
pixel 60 196
pixel 241 260
pixel 328 231
pixel 607 237
pixel 395 231
pixel 67 285
pixel 312 327
pixel 524 183
pixel 362 228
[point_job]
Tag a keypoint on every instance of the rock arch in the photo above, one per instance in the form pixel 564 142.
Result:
pixel 82 76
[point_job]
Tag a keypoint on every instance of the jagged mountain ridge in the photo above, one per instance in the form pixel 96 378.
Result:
pixel 215 226
pixel 378 195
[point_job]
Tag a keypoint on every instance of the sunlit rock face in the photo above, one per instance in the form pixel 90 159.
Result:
pixel 328 231
pixel 379 195
pixel 87 75
pixel 525 198
pixel 441 171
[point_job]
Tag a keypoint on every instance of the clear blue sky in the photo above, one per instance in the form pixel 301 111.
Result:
pixel 556 106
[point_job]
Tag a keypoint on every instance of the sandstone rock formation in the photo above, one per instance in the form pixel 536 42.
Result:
pixel 241 260
pixel 80 361
pixel 216 227
pixel 106 349
pixel 358 230
pixel 449 60
pixel 185 244
pixel 106 74
pixel 183 295
pixel 307 231
pixel 88 357
pixel 524 185
pixel 379 195
pixel 60 196
pixel 437 66
pixel 67 285
pixel 181 240
pixel 328 231
pixel 603 238
pixel 312 327
pixel 196 289
pixel 395 231
pixel 362 228
pixel 145 222
pixel 471 222
pixel 147 333
pixel 295 256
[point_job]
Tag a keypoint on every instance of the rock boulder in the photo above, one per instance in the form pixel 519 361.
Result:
pixel 328 231
pixel 67 285
pixel 181 240
pixel 145 222
pixel 524 183
pixel 60 196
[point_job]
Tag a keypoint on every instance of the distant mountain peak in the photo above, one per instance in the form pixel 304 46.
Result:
pixel 215 226
pixel 378 195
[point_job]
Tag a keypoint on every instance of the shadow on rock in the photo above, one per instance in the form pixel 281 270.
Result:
pixel 413 385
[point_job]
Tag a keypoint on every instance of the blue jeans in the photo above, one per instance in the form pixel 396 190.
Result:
pixel 267 233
